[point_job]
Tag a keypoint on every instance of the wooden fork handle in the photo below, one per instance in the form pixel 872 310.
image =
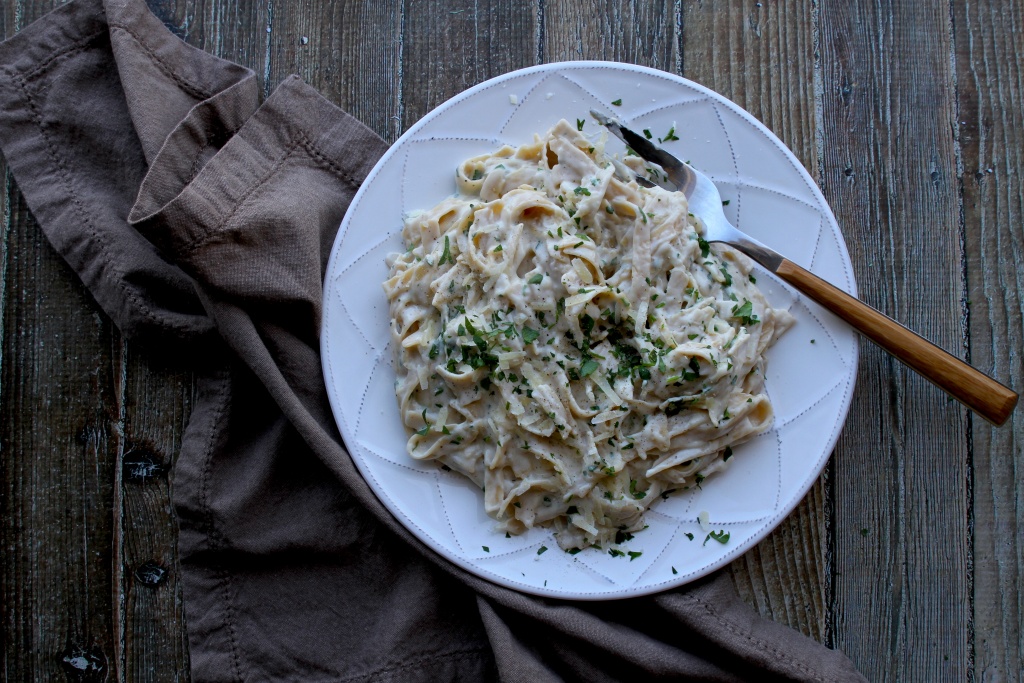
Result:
pixel 974 389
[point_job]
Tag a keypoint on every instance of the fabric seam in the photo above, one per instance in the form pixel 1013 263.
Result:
pixel 218 229
pixel 61 54
pixel 756 641
pixel 191 88
pixel 223 576
pixel 323 160
pixel 411 663
pixel 84 215
pixel 300 140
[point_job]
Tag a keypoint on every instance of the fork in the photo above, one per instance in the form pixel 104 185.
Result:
pixel 979 392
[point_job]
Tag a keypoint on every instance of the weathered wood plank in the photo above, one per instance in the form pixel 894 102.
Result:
pixel 58 439
pixel 451 45
pixel 638 32
pixel 990 71
pixel 56 471
pixel 155 403
pixel 901 586
pixel 350 52
pixel 761 56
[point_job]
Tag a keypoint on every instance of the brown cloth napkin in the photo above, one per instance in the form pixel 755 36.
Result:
pixel 201 222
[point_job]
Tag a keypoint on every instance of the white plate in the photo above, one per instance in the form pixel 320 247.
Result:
pixel 811 370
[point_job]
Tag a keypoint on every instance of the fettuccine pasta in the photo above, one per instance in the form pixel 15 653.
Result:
pixel 568 340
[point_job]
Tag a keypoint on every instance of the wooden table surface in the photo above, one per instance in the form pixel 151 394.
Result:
pixel 906 554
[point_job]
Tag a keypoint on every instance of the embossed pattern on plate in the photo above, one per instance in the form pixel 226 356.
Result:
pixel 811 370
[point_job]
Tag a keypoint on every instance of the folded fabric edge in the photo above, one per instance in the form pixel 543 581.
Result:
pixel 294 116
pixel 712 608
pixel 33 150
pixel 187 148
pixel 197 71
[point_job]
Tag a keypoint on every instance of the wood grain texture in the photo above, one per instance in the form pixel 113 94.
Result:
pixel 900 476
pixel 644 33
pixel 453 45
pixel 990 71
pixel 155 402
pixel 328 44
pixel 977 391
pixel 762 58
pixel 241 32
pixel 59 448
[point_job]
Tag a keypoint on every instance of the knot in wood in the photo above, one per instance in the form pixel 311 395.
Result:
pixel 150 574
pixel 142 464
pixel 84 665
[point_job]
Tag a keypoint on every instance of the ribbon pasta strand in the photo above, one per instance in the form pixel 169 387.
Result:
pixel 571 343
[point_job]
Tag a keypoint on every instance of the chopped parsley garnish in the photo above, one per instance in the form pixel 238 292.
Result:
pixel 636 494
pixel 582 190
pixel 671 135
pixel 727 276
pixel 705 248
pixel 530 335
pixel 745 312
pixel 618 102
pixel 647 134
pixel 633 554
pixel 588 367
pixel 541 550
pixel 536 279
pixel 720 536
pixel 446 255
pixel 486 549
pixel 579 124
